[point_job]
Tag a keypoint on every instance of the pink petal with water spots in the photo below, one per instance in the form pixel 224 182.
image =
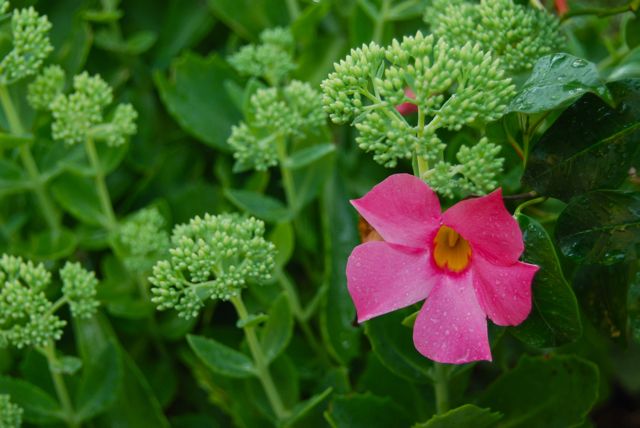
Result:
pixel 488 226
pixel 382 278
pixel 451 326
pixel 504 292
pixel 402 209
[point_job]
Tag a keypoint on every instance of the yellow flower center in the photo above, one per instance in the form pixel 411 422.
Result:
pixel 451 251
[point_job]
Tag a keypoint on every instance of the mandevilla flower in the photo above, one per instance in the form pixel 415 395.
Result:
pixel 464 262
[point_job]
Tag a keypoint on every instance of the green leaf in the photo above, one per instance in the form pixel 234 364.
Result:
pixel 10 141
pixel 248 17
pixel 195 96
pixel 550 391
pixel 220 358
pixel 101 379
pixel 50 245
pixel 78 197
pixel 303 408
pixel 252 320
pixel 277 332
pixel 283 238
pixel 629 67
pixel 590 146
pixel 12 179
pixel 310 181
pixel 463 416
pixel 309 155
pixel 392 343
pixel 600 227
pixel 365 411
pixel 339 237
pixel 555 317
pixel 556 81
pixel 259 205
pixel 102 375
pixel 39 407
pixel 67 365
pixel 603 291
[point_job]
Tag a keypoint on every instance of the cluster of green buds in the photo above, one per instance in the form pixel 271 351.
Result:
pixel 143 240
pixel 515 33
pixel 271 60
pixel 31 45
pixel 452 86
pixel 212 257
pixel 10 413
pixel 27 316
pixel 276 115
pixel 80 114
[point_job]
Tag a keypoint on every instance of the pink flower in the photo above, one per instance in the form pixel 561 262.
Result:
pixel 464 262
pixel 408 107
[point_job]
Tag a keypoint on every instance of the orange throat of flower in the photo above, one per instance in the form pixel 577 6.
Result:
pixel 450 250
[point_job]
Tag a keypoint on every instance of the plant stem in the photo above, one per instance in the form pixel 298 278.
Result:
pixel 61 389
pixel 101 185
pixel 423 165
pixel 294 9
pixel 524 205
pixel 15 127
pixel 378 29
pixel 441 387
pixel 262 366
pixel 287 177
pixel 300 316
pixel 632 6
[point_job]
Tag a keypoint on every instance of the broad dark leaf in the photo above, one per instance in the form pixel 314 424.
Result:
pixel 554 318
pixel 601 227
pixel 463 416
pixel 365 411
pixel 590 146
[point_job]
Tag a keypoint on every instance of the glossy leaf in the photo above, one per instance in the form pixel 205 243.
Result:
pixel 195 96
pixel 365 411
pixel 555 82
pixel 602 291
pixel 220 358
pixel 39 407
pixel 590 146
pixel 551 391
pixel 277 332
pixel 259 205
pixel 392 343
pixel 555 317
pixel 600 227
pixel 340 236
pixel 463 416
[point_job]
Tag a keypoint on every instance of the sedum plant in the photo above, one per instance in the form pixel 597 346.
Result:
pixel 453 86
pixel 211 257
pixel 10 413
pixel 515 33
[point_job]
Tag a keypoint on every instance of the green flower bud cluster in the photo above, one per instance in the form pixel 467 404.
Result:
pixel 275 115
pixel 10 413
pixel 476 173
pixel 214 256
pixel 454 86
pixel 4 6
pixel 79 288
pixel 516 34
pixel 79 115
pixel 26 315
pixel 143 240
pixel 31 45
pixel 271 60
pixel 46 87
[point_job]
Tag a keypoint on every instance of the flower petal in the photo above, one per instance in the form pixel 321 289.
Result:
pixel 403 209
pixel 488 226
pixel 382 277
pixel 451 326
pixel 504 292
